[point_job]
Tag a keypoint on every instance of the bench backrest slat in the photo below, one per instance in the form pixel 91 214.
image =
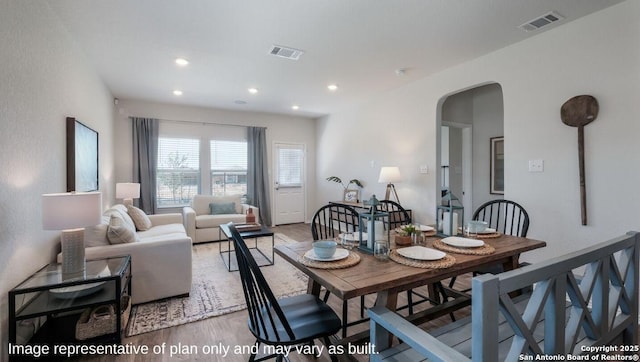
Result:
pixel 603 302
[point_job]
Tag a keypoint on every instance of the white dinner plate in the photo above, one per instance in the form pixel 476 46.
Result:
pixel 423 228
pixel 80 290
pixel 353 236
pixel 339 255
pixel 459 242
pixel 421 253
pixel 76 291
pixel 426 228
pixel 487 231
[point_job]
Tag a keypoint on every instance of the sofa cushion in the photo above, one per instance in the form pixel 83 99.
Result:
pixel 140 219
pixel 160 230
pixel 200 203
pixel 221 208
pixel 119 231
pixel 212 221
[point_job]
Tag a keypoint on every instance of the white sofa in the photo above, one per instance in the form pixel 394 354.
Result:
pixel 160 258
pixel 202 226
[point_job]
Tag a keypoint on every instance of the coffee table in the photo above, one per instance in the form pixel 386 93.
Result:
pixel 256 234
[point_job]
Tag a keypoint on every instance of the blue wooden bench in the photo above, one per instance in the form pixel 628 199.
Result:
pixel 564 314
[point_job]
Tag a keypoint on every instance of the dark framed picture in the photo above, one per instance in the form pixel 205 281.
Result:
pixel 351 195
pixel 82 157
pixel 497 166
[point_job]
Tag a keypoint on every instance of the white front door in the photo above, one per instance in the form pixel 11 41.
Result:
pixel 289 176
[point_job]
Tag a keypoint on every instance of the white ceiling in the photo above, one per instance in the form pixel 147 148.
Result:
pixel 357 44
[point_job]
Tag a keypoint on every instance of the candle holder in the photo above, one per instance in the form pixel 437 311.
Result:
pixel 449 216
pixel 375 223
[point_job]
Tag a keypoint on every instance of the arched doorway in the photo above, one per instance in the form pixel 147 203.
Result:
pixel 469 119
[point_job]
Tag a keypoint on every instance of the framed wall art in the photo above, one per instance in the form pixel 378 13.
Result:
pixel 82 157
pixel 351 195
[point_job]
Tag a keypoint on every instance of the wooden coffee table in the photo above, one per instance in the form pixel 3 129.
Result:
pixel 261 258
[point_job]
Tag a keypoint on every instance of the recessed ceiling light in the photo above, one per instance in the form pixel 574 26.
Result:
pixel 177 92
pixel 295 107
pixel 253 90
pixel 182 62
pixel 332 87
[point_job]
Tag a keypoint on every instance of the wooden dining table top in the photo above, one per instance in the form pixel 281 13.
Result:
pixel 372 275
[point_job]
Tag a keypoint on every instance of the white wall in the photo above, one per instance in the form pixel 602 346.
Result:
pixel 43 79
pixel 280 128
pixel 458 108
pixel 537 75
pixel 481 107
pixel 455 161
pixel 488 121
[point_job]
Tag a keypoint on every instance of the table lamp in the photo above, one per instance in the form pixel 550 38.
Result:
pixel 71 212
pixel 389 175
pixel 127 191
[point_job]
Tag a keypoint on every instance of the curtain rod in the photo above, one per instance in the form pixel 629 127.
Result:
pixel 202 123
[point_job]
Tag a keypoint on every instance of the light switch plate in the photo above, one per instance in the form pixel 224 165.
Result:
pixel 536 165
pixel 424 169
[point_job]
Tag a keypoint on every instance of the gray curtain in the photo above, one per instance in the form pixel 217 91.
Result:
pixel 258 172
pixel 145 160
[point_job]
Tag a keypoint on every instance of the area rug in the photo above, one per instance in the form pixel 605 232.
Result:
pixel 214 290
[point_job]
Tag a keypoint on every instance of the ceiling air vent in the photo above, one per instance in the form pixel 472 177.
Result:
pixel 541 21
pixel 284 52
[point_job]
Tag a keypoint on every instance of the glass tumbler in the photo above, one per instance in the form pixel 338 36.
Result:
pixel 381 249
pixel 349 240
pixel 470 231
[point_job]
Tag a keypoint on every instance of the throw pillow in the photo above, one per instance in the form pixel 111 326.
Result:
pixel 119 232
pixel 140 219
pixel 218 208
pixel 96 235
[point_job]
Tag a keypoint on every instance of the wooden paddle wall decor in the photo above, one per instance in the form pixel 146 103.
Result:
pixel 579 111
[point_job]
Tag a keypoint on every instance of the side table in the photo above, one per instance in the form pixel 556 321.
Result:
pixel 263 232
pixel 47 294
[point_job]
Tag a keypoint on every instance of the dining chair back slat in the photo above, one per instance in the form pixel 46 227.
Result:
pixel 506 216
pixel 293 320
pixel 398 215
pixel 265 315
pixel 331 220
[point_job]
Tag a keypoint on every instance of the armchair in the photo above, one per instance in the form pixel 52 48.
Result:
pixel 203 226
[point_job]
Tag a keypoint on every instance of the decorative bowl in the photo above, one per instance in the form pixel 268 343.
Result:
pixel 324 249
pixel 477 226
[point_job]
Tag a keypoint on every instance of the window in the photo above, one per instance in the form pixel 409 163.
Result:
pixel 178 177
pixel 290 167
pixel 228 167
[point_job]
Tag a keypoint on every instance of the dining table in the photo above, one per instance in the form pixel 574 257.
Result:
pixel 387 278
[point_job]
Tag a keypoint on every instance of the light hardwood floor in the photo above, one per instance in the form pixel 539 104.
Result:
pixel 231 329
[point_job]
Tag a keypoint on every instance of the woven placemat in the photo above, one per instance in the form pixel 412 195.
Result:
pixel 350 260
pixel 485 249
pixel 489 236
pixel 445 262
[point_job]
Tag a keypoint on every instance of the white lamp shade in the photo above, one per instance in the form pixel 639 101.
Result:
pixel 71 210
pixel 389 175
pixel 127 190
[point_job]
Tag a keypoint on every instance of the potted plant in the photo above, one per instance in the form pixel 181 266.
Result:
pixel 404 237
pixel 349 195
